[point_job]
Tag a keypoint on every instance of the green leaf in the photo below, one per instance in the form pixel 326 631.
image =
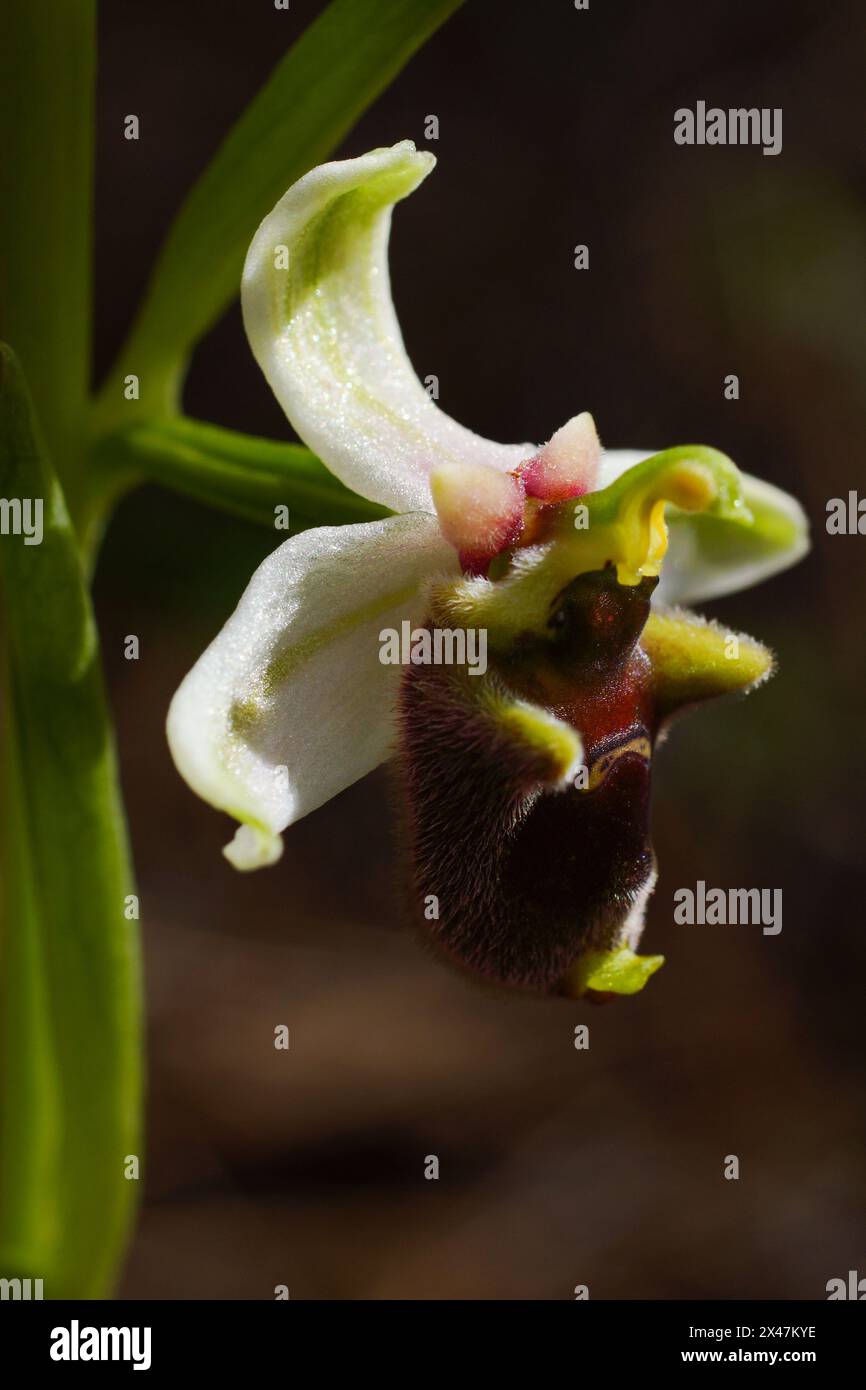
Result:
pixel 69 971
pixel 47 67
pixel 327 79
pixel 239 473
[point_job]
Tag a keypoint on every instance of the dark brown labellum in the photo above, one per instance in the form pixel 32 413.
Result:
pixel 527 874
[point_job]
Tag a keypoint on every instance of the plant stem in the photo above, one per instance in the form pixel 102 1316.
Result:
pixel 339 65
pixel 70 1046
pixel 238 473
pixel 47 71
pixel 70 1039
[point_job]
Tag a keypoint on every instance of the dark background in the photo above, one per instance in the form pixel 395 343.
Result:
pixel 558 1166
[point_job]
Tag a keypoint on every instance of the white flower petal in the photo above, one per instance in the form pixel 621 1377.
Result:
pixel 317 309
pixel 290 703
pixel 709 557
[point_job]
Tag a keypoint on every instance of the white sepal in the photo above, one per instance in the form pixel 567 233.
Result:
pixel 291 703
pixel 317 308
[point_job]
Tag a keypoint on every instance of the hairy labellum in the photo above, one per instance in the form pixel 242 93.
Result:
pixel 533 856
pixel 529 790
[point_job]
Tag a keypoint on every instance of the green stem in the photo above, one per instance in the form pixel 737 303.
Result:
pixel 70 1047
pixel 30 1118
pixel 47 69
pixel 239 473
pixel 316 93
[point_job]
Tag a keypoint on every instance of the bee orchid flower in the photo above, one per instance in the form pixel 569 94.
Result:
pixel 527 783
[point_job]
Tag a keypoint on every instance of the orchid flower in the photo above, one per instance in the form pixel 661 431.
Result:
pixel 527 786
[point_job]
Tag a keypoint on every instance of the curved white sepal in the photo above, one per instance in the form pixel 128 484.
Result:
pixel 291 703
pixel 709 557
pixel 317 309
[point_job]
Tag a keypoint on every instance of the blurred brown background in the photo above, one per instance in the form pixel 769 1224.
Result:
pixel 558 1166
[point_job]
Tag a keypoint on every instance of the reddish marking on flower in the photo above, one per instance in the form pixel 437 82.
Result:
pixel 507 533
pixel 567 466
pixel 539 483
pixel 480 510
